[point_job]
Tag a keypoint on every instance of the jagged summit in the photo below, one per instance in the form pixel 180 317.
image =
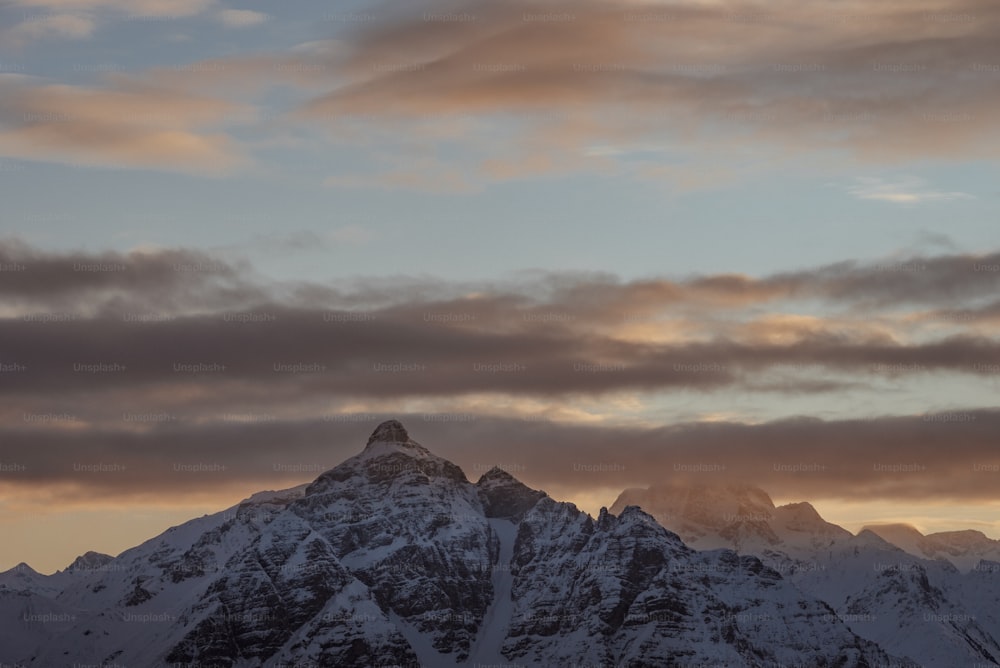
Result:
pixel 390 455
pixel 628 512
pixel 390 431
pixel 496 475
pixel 503 495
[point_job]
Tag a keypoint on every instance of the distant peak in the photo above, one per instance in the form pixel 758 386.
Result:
pixel 89 560
pixel 802 510
pixel 390 431
pixel 496 474
pixel 893 529
pixel 962 533
pixel 631 511
pixel 24 568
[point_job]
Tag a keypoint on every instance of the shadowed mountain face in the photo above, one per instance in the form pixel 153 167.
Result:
pixel 395 558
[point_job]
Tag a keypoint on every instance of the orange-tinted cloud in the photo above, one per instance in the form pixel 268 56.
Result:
pixel 929 457
pixel 125 123
pixel 888 83
pixel 150 359
pixel 133 7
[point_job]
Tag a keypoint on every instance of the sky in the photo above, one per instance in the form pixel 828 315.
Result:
pixel 604 244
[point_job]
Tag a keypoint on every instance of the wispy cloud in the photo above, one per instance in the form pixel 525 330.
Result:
pixel 49 26
pixel 132 7
pixel 241 18
pixel 898 86
pixel 904 190
pixel 125 123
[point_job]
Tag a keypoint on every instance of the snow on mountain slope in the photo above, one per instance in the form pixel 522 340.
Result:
pixel 496 621
pixel 28 620
pixel 625 591
pixel 25 578
pixel 905 604
pixel 395 558
pixel 910 606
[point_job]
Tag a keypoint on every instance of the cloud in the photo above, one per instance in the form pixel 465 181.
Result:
pixel 389 354
pixel 160 323
pixel 900 84
pixel 49 26
pixel 908 190
pixel 948 281
pixel 929 457
pixel 160 357
pixel 241 18
pixel 123 123
pixel 160 8
pixel 590 86
pixel 87 283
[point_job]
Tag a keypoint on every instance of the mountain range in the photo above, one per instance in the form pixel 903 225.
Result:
pixel 933 598
pixel 395 558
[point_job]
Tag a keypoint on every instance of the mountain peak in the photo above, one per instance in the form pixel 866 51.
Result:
pixel 390 431
pixel 503 495
pixel 802 511
pixel 89 561
pixel 389 455
pixel 23 568
pixel 894 531
pixel 496 475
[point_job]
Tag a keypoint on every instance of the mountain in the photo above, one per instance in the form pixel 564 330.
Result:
pixel 890 584
pixel 395 558
pixel 24 578
pixel 966 549
pixel 740 517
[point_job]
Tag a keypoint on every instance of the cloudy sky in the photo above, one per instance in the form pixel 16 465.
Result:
pixel 602 243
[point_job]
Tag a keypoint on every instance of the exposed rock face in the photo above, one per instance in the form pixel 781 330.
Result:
pixel 503 495
pixel 390 431
pixel 624 590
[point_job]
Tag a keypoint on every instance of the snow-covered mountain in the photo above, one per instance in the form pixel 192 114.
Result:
pixel 24 578
pixel 394 558
pixel 966 549
pixel 893 587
